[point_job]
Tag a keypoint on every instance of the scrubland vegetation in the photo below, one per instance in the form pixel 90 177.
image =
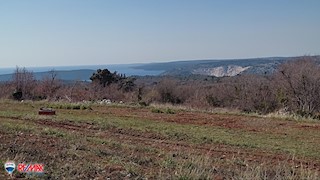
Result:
pixel 293 89
pixel 243 127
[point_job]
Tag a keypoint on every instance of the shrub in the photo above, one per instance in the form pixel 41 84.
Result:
pixel 169 111
pixel 73 106
pixel 300 79
pixel 156 110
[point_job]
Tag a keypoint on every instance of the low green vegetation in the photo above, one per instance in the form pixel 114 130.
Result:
pixel 74 106
pixel 127 142
pixel 167 110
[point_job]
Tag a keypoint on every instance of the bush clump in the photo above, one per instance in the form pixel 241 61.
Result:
pixel 72 106
pixel 156 110
pixel 167 111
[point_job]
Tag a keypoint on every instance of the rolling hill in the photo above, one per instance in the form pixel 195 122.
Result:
pixel 217 68
pixel 66 75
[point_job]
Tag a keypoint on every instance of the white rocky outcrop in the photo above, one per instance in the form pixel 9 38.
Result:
pixel 221 71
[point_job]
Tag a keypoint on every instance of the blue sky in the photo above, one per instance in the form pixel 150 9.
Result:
pixel 84 32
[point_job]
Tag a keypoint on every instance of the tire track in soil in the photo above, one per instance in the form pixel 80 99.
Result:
pixel 130 136
pixel 229 121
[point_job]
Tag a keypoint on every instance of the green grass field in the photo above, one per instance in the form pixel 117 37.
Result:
pixel 128 142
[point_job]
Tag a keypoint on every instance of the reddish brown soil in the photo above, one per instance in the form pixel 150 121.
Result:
pixel 205 119
pixel 131 136
pixel 165 144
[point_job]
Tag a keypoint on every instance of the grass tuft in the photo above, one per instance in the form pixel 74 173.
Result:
pixel 159 110
pixel 72 106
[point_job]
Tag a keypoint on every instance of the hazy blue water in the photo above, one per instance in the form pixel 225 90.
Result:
pixel 123 68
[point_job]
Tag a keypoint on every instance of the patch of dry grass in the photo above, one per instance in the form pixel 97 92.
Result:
pixel 88 145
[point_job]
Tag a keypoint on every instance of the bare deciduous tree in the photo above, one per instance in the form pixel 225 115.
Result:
pixel 24 83
pixel 172 91
pixel 50 85
pixel 301 81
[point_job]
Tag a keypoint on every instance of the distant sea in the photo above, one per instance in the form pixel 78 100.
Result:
pixel 127 69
